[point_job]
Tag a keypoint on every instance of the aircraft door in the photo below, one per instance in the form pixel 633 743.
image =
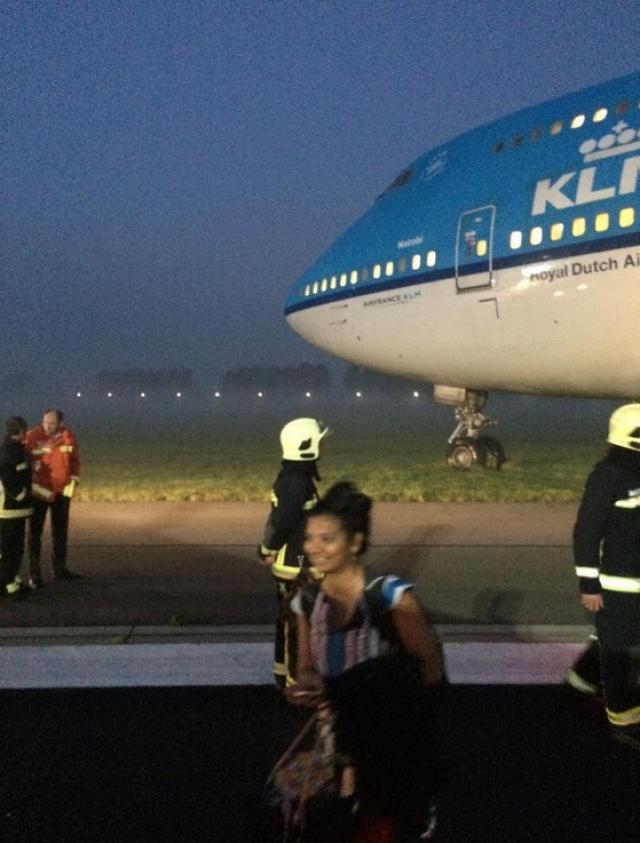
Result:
pixel 474 249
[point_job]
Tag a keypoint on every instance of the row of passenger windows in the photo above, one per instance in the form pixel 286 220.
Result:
pixel 388 268
pixel 557 126
pixel 577 227
pixel 535 236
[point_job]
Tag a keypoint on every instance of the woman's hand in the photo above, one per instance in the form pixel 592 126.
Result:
pixel 592 602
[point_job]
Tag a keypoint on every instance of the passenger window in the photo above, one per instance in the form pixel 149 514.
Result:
pixel 518 140
pixel 499 147
pixel 556 128
pixel 627 217
pixel 431 258
pixel 402 264
pixel 334 282
pixel 354 276
pixel 388 269
pixel 377 271
pixel 481 248
pixel 557 230
pixel 343 279
pixel 602 222
pixel 536 134
pixel 578 226
pixel 535 235
pixel 324 284
pixel 578 121
pixel 600 115
pixel 316 286
pixel 515 240
pixel 416 260
pixel 365 273
pixel 307 290
pixel 623 107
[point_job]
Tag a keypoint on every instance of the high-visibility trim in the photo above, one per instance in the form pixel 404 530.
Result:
pixel 576 681
pixel 21 496
pixel 69 489
pixel 267 551
pixel 16 513
pixel 632 502
pixel 624 718
pixel 310 503
pixel 42 491
pixel 593 573
pixel 43 450
pixel 629 585
pixel 65 449
pixel 22 466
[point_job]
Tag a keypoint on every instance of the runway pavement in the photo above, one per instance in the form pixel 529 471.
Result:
pixel 195 564
pixel 497 581
pixel 137 703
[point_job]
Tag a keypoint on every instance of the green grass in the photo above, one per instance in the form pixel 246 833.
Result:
pixel 391 459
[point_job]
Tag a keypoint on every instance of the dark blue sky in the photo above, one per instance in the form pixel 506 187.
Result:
pixel 169 168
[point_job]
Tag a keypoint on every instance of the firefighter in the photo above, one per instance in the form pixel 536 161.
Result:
pixel 606 541
pixel 294 492
pixel 15 506
pixel 55 468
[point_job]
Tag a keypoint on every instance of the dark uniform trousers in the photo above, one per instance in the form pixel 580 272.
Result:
pixel 59 531
pixel 11 547
pixel 618 625
pixel 286 640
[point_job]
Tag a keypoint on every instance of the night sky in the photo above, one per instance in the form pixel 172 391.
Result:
pixel 169 168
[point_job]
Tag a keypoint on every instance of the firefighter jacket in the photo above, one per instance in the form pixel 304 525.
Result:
pixel 15 480
pixel 606 535
pixel 55 462
pixel 294 492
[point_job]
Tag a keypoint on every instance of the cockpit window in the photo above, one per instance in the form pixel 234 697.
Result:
pixel 401 180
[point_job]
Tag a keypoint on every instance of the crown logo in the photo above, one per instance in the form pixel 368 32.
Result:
pixel 621 140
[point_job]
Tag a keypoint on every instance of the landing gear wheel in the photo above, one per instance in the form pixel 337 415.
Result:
pixel 490 452
pixel 462 453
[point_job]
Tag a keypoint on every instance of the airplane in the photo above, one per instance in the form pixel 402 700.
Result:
pixel 506 259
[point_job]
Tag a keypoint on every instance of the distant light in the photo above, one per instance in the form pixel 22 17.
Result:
pixel 178 395
pixel 416 394
pixel 358 395
pixel 307 395
pixel 78 395
pixel 259 395
pixel 109 394
pixel 216 395
pixel 143 395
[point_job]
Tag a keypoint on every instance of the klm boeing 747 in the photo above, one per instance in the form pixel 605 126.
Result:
pixel 508 259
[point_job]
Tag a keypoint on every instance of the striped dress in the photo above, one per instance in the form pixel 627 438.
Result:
pixel 366 636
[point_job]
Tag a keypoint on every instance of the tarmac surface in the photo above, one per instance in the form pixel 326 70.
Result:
pixel 157 564
pixel 136 703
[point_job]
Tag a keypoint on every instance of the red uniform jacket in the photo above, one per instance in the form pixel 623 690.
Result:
pixel 55 462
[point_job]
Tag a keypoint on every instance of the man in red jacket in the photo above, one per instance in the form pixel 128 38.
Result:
pixel 55 470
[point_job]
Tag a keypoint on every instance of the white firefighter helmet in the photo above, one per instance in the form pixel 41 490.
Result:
pixel 624 427
pixel 300 439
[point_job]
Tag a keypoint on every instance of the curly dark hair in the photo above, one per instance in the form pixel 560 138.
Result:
pixel 350 506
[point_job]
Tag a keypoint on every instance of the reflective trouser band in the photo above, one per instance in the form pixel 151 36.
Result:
pixel 592 573
pixel 630 585
pixel 624 718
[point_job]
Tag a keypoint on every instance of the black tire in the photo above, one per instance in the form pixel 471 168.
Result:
pixel 490 452
pixel 462 453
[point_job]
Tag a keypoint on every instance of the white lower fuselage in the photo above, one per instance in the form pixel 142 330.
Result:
pixel 566 326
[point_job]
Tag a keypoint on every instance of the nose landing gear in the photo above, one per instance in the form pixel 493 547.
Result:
pixel 466 446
